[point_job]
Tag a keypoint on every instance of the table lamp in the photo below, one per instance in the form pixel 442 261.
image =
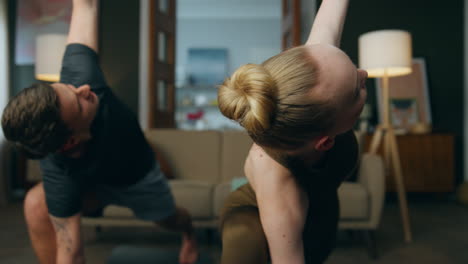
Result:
pixel 49 54
pixel 384 54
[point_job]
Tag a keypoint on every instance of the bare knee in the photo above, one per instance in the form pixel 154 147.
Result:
pixel 35 208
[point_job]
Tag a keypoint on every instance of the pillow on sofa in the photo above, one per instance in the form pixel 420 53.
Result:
pixel 238 182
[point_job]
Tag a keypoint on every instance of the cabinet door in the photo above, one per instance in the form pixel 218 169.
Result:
pixel 162 60
pixel 427 162
pixel 291 23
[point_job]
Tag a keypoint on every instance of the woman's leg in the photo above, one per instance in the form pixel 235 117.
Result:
pixel 243 238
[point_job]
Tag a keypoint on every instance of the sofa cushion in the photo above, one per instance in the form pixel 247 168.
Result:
pixel 354 201
pixel 195 196
pixel 192 155
pixel 115 211
pixel 236 145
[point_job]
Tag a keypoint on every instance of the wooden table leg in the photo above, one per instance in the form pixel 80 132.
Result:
pixel 376 139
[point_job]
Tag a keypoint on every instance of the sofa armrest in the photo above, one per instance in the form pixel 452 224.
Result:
pixel 372 176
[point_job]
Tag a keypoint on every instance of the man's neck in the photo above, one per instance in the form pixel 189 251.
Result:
pixel 76 152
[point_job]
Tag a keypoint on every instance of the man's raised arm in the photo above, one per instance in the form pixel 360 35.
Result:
pixel 328 23
pixel 84 23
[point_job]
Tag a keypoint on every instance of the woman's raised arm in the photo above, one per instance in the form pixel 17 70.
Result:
pixel 328 23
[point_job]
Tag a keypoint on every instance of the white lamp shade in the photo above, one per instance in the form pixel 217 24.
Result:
pixel 49 54
pixel 385 51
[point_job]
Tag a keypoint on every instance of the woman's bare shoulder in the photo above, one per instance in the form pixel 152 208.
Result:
pixel 262 170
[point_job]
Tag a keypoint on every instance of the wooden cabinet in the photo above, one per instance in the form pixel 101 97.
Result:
pixel 427 162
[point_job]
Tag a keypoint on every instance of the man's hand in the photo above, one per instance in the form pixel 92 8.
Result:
pixel 69 245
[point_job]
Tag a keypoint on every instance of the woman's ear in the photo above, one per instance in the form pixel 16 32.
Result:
pixel 325 143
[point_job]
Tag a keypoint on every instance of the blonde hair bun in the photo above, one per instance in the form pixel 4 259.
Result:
pixel 249 97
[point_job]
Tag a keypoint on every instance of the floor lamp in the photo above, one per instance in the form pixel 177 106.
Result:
pixel 49 53
pixel 384 54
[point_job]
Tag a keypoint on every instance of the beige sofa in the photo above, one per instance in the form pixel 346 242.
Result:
pixel 205 162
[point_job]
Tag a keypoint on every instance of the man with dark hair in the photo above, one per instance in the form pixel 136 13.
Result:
pixel 91 145
pixel 32 121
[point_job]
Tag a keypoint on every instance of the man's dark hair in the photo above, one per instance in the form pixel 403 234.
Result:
pixel 31 120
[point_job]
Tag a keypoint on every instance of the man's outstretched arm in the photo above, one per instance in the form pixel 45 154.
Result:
pixel 84 23
pixel 329 22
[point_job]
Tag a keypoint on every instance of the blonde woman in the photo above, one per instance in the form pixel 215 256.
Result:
pixel 299 108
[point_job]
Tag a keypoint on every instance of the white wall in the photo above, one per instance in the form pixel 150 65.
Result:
pixel 221 9
pixel 248 40
pixel 249 29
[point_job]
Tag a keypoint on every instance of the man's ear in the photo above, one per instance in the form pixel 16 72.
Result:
pixel 71 143
pixel 325 143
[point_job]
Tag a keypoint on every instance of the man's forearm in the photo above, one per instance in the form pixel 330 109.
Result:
pixel 329 22
pixel 66 258
pixel 69 245
pixel 84 23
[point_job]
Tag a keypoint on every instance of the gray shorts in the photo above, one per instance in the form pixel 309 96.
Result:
pixel 150 198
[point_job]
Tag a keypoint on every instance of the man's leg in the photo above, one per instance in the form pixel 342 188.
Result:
pixel 41 231
pixel 181 221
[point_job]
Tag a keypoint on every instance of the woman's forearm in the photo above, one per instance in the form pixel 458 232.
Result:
pixel 329 22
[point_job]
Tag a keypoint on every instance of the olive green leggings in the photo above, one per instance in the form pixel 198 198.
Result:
pixel 244 241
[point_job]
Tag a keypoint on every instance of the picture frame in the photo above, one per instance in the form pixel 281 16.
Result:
pixel 409 98
pixel 404 112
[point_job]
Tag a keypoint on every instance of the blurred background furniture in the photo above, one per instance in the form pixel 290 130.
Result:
pixel 427 161
pixel 385 54
pixel 204 163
